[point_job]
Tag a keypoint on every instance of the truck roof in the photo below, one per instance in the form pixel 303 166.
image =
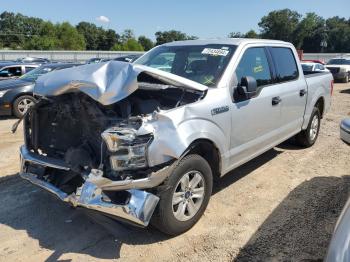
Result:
pixel 225 41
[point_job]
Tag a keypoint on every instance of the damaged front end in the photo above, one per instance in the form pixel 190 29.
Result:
pixel 87 139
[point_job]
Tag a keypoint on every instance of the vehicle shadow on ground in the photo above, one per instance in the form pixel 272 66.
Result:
pixel 7 117
pixel 300 228
pixel 345 91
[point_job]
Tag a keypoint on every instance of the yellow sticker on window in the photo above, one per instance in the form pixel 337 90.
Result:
pixel 258 69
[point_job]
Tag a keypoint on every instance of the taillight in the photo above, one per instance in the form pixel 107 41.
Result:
pixel 332 85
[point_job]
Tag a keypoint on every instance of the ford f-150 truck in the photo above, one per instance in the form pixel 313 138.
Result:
pixel 143 142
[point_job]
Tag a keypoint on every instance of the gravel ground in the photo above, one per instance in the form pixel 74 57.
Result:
pixel 282 206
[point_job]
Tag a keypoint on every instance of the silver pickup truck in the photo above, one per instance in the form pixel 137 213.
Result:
pixel 143 142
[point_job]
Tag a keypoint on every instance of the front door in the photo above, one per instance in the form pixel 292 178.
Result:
pixel 255 121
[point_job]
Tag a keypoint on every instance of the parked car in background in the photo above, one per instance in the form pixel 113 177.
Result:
pixel 145 145
pixel 124 58
pixel 127 58
pixel 340 68
pixel 33 60
pixel 345 130
pixel 313 61
pixel 16 95
pixel 14 70
pixel 313 67
pixel 94 60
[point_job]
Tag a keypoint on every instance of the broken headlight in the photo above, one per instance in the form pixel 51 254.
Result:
pixel 128 151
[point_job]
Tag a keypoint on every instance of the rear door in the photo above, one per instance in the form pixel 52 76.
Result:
pixel 255 121
pixel 293 89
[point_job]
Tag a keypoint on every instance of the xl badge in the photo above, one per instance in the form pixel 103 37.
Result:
pixel 219 110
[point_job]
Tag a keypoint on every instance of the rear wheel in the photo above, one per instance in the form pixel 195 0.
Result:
pixel 186 196
pixel 308 137
pixel 22 104
pixel 346 79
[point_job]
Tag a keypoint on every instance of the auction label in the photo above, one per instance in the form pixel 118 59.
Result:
pixel 215 52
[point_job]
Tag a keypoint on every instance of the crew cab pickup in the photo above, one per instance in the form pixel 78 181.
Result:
pixel 143 142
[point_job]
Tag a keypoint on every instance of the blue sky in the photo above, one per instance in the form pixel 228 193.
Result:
pixel 202 18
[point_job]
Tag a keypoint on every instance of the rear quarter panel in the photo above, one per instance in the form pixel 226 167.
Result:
pixel 319 86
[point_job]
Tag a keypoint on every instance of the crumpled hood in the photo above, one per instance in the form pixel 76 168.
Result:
pixel 106 83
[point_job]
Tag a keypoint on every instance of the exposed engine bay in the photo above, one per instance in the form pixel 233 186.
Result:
pixel 87 135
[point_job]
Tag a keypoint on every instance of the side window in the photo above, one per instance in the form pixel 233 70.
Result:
pixel 254 63
pixel 286 65
pixel 15 71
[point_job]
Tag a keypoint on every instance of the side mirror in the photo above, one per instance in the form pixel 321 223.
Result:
pixel 248 87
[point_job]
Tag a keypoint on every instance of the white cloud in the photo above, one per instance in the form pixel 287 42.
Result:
pixel 102 19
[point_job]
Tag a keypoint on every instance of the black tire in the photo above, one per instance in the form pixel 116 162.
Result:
pixel 164 218
pixel 346 79
pixel 305 137
pixel 16 107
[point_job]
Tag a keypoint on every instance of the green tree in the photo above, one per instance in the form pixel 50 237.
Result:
pixel 338 32
pixel 170 36
pixel 45 40
pixel 280 25
pixel 310 33
pixel 13 29
pixel 130 45
pixel 91 34
pixel 97 38
pixel 42 43
pixel 69 37
pixel 110 39
pixel 146 43
pixel 235 35
pixel 251 34
pixel 126 35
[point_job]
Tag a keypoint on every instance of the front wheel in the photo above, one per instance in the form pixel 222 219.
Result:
pixel 186 196
pixel 308 137
pixel 22 104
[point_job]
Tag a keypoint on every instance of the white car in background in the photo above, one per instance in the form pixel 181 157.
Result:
pixel 313 67
pixel 340 68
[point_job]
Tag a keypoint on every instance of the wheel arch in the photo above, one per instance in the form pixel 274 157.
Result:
pixel 320 104
pixel 209 151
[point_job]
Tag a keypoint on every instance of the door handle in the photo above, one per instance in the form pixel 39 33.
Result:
pixel 276 100
pixel 302 92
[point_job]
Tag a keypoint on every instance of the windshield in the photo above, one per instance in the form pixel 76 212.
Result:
pixel 34 74
pixel 339 62
pixel 306 67
pixel 204 64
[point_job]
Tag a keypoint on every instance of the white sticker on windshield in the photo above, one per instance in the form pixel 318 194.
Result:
pixel 215 52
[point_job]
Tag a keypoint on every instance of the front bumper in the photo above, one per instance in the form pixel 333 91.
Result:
pixel 137 210
pixel 345 130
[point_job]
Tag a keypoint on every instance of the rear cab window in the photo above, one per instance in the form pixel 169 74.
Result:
pixel 285 64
